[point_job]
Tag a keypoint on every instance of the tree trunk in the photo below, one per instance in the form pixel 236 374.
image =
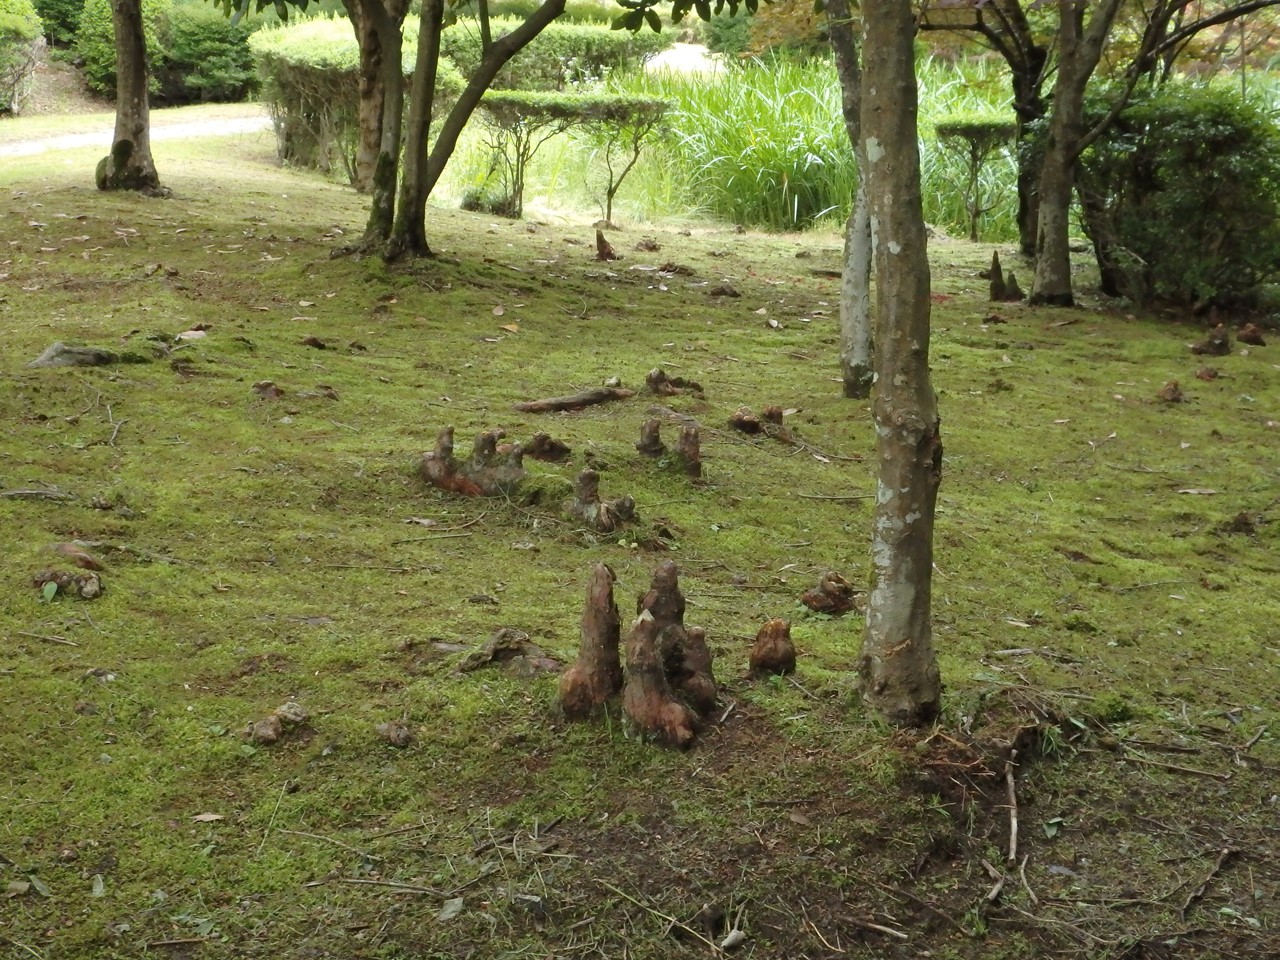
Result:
pixel 372 94
pixel 129 165
pixel 409 234
pixel 386 167
pixel 898 670
pixel 1028 108
pixel 495 58
pixel 1080 48
pixel 856 338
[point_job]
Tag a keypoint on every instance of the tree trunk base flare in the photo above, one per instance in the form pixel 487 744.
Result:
pixel 604 249
pixel 858 379
pixel 670 685
pixel 1217 344
pixel 576 401
pixel 833 595
pixel 647 698
pixel 995 278
pixel 1052 300
pixel 664 386
pixel 1012 292
pixel 596 676
pixel 602 515
pixel 1171 393
pixel 406 246
pixel 115 171
pixel 1251 334
pixel 773 654
pixel 650 443
pixel 489 473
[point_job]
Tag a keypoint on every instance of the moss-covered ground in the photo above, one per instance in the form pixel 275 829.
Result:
pixel 1107 592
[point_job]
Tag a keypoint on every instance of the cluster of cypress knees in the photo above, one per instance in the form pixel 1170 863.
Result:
pixel 668 689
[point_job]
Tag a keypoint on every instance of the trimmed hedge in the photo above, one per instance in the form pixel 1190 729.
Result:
pixel 562 55
pixel 309 71
pixel 21 37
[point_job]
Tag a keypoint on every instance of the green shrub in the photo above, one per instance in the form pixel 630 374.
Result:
pixel 563 54
pixel 96 44
pixel 20 42
pixel 61 19
pixel 309 72
pixel 729 33
pixel 575 11
pixel 207 56
pixel 1181 196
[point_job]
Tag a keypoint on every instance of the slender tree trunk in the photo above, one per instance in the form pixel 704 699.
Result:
pixel 129 165
pixel 495 58
pixel 1028 107
pixel 386 169
pixel 856 338
pixel 372 94
pixel 898 670
pixel 409 232
pixel 1080 48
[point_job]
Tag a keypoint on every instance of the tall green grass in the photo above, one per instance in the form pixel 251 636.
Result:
pixel 763 144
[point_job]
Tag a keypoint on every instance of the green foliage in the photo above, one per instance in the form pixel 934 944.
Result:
pixel 789 28
pixel 728 33
pixel 575 11
pixel 309 72
pixel 61 19
pixel 521 121
pixel 1182 196
pixel 20 41
pixel 207 56
pixel 563 54
pixel 96 45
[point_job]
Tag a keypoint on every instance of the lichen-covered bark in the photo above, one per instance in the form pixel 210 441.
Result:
pixel 898 671
pixel 856 340
pixel 129 165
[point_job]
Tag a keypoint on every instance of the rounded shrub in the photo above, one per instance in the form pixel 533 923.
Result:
pixel 1181 196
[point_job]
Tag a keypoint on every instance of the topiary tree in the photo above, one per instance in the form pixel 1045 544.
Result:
pixel 21 38
pixel 974 138
pixel 620 129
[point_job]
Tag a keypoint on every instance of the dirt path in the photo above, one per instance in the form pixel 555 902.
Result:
pixel 165 125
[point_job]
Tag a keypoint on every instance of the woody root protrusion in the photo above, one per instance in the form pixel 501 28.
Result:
pixel 596 676
pixel 773 653
pixel 602 515
pixel 495 468
pixel 669 687
pixel 688 452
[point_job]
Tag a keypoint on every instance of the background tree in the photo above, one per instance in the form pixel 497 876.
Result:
pixel 856 340
pixel 129 165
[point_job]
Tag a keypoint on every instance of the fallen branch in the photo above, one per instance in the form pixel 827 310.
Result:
pixel 40 636
pixel 1131 758
pixel 402 887
pixel 1022 873
pixel 575 401
pixel 52 494
pixel 670 920
pixel 1223 856
pixel 1012 788
pixel 868 925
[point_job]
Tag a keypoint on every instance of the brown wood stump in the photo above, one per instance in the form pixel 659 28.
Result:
pixel 664 386
pixel 596 676
pixel 773 653
pixel 648 698
pixel 689 452
pixel 1217 344
pixel 1251 334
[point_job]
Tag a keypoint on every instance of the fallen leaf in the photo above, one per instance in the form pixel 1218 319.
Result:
pixel 306 303
pixel 207 817
pixel 499 310
pixel 510 327
pixel 451 909
pixel 17 888
pixel 1199 491
pixel 99 886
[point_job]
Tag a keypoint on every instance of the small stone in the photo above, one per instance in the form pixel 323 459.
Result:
pixel 395 733
pixel 266 731
pixel 291 713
